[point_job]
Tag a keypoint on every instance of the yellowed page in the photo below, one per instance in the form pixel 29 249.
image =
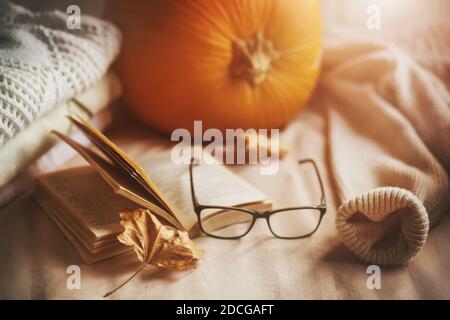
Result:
pixel 214 185
pixel 121 158
pixel 120 181
pixel 93 247
pixel 89 200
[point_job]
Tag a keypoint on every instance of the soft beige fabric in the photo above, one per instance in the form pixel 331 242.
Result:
pixel 35 254
pixel 35 140
pixel 388 136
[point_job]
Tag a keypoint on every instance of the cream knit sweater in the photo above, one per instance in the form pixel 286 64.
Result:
pixel 44 63
pixel 389 139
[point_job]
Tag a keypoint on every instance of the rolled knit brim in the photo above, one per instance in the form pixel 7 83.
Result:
pixel 378 207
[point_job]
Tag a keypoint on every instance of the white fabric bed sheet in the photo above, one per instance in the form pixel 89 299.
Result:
pixel 35 254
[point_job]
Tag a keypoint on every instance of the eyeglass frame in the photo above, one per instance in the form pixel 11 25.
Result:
pixel 259 214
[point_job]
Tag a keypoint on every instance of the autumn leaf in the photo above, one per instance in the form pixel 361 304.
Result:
pixel 255 145
pixel 269 146
pixel 157 244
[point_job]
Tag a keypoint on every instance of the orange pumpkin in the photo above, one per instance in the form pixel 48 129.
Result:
pixel 229 63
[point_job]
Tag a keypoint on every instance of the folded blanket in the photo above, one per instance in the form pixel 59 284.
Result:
pixel 44 63
pixel 389 128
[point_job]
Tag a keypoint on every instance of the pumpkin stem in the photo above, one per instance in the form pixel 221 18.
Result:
pixel 252 58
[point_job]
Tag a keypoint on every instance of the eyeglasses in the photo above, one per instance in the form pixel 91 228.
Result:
pixel 224 222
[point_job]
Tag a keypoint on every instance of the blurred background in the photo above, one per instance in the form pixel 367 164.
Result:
pixel 395 14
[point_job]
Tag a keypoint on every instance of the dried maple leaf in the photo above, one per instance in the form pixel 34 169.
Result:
pixel 156 244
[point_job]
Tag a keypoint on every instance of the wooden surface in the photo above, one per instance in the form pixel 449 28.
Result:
pixel 34 254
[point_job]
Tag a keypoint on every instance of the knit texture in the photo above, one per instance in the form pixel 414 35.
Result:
pixel 43 63
pixel 388 127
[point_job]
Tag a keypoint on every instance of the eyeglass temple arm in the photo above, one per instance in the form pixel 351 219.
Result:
pixel 194 197
pixel 316 169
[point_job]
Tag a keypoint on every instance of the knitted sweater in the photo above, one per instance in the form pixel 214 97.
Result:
pixel 389 128
pixel 43 63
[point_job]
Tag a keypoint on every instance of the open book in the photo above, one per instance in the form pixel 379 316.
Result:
pixel 84 202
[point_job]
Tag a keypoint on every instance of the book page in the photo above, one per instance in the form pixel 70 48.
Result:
pixel 121 181
pixel 53 211
pixel 168 191
pixel 214 185
pixel 90 200
pixel 121 159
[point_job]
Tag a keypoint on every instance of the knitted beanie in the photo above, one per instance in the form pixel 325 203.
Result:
pixel 43 62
